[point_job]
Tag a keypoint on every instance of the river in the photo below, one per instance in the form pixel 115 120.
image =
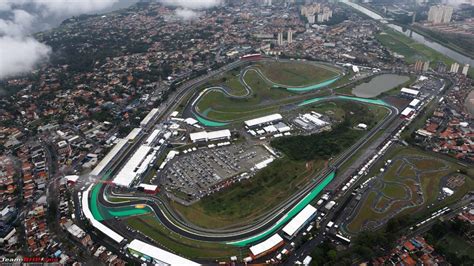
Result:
pixel 460 58
pixel 378 85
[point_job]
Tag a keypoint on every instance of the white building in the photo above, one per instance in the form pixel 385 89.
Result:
pixel 135 166
pixel 263 120
pixel 290 36
pixel 158 255
pixel 150 116
pixel 119 146
pixel 266 246
pixel 465 69
pixel 299 221
pixel 409 92
pixel 454 68
pixel 210 136
pixel 280 38
pixel 440 14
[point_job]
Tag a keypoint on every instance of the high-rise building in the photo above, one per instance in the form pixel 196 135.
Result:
pixel 311 19
pixel 418 65
pixel 465 69
pixel 426 66
pixel 290 36
pixel 454 68
pixel 441 67
pixel 440 14
pixel 280 38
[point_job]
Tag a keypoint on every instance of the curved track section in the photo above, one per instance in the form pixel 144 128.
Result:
pixel 201 116
pixel 268 223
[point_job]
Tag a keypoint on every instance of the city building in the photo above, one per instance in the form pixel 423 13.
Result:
pixel 426 66
pixel 440 14
pixel 280 38
pixel 465 69
pixel 454 68
pixel 290 36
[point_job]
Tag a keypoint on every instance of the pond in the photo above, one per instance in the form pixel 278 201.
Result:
pixel 378 85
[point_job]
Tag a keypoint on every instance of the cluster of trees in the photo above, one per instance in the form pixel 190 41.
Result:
pixel 366 246
pixel 278 174
pixel 442 229
pixel 322 145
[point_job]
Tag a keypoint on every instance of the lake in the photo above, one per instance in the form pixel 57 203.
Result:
pixel 378 85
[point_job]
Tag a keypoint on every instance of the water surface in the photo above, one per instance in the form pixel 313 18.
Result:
pixel 378 85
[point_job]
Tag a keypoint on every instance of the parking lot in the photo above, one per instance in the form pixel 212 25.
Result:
pixel 201 172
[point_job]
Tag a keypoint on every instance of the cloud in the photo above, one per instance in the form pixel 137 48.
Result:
pixel 19 52
pixel 187 8
pixel 193 4
pixel 58 7
pixel 20 55
pixel 186 14
pixel 19 24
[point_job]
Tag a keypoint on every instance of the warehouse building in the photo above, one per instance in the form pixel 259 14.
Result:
pixel 264 120
pixel 210 136
pixel 299 221
pixel 410 93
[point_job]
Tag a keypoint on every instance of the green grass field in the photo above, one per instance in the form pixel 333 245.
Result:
pixel 275 183
pixel 432 169
pixel 297 73
pixel 151 227
pixel 265 98
pixel 394 191
pixel 265 190
pixel 217 106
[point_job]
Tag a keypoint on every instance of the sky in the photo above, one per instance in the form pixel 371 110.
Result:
pixel 19 19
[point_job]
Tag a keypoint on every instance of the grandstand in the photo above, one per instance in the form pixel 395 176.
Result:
pixel 136 165
pixel 96 224
pixel 267 246
pixel 299 221
pixel 157 256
